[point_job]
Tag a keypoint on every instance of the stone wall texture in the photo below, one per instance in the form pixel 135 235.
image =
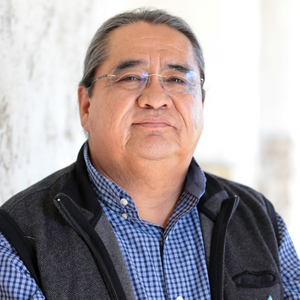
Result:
pixel 41 53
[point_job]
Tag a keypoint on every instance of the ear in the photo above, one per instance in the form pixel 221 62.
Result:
pixel 84 106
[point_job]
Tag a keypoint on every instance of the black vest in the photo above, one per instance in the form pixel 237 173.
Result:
pixel 69 247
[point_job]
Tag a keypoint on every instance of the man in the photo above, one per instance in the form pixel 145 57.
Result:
pixel 135 217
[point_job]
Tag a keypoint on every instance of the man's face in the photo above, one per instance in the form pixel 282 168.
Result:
pixel 152 124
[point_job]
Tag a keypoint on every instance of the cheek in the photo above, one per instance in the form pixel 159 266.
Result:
pixel 111 115
pixel 197 116
pixel 192 113
pixel 100 117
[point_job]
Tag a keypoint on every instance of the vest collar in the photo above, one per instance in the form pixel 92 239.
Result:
pixel 79 189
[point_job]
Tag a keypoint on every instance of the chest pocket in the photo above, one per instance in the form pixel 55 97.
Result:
pixel 250 279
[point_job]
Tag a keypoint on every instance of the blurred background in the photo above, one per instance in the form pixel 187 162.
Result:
pixel 251 49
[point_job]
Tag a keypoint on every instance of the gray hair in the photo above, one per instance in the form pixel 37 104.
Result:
pixel 97 51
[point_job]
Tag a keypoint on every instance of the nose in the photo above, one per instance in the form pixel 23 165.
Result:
pixel 154 95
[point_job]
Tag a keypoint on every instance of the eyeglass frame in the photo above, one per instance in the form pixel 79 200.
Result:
pixel 148 75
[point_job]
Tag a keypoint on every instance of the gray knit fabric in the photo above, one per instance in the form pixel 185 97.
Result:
pixel 250 242
pixel 68 269
pixel 104 229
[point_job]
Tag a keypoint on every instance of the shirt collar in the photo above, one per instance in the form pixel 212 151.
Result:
pixel 195 179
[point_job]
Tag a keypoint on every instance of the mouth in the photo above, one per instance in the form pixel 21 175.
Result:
pixel 153 123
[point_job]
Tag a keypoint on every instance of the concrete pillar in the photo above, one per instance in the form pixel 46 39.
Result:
pixel 276 145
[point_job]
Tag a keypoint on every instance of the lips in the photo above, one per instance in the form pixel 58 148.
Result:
pixel 153 123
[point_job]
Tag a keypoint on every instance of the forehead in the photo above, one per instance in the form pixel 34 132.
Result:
pixel 154 44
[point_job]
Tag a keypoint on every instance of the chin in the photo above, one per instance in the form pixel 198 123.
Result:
pixel 154 147
pixel 157 152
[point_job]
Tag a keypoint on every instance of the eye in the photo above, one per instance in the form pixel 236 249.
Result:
pixel 176 80
pixel 129 78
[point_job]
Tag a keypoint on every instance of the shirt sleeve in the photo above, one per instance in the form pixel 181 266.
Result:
pixel 289 263
pixel 15 280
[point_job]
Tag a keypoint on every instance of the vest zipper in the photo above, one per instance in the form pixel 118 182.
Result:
pixel 218 247
pixel 76 226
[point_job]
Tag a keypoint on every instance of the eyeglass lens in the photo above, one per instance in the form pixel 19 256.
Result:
pixel 174 82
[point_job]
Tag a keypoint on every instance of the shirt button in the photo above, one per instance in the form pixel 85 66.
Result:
pixel 124 201
pixel 179 298
pixel 166 240
pixel 124 216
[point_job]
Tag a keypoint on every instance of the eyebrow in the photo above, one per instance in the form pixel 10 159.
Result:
pixel 179 67
pixel 129 64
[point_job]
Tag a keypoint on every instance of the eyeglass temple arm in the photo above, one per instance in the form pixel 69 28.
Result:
pixel 105 75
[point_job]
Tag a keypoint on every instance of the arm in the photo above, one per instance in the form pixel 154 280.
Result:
pixel 289 263
pixel 15 280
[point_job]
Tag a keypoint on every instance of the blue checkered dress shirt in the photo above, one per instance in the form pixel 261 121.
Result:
pixel 162 263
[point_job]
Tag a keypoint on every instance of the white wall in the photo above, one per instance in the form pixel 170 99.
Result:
pixel 42 47
pixel 292 117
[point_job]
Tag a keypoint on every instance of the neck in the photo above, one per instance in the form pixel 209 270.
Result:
pixel 155 187
pixel 156 192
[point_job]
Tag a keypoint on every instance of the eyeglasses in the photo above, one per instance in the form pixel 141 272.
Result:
pixel 174 82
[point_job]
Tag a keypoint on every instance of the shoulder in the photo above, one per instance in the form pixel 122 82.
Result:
pixel 44 189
